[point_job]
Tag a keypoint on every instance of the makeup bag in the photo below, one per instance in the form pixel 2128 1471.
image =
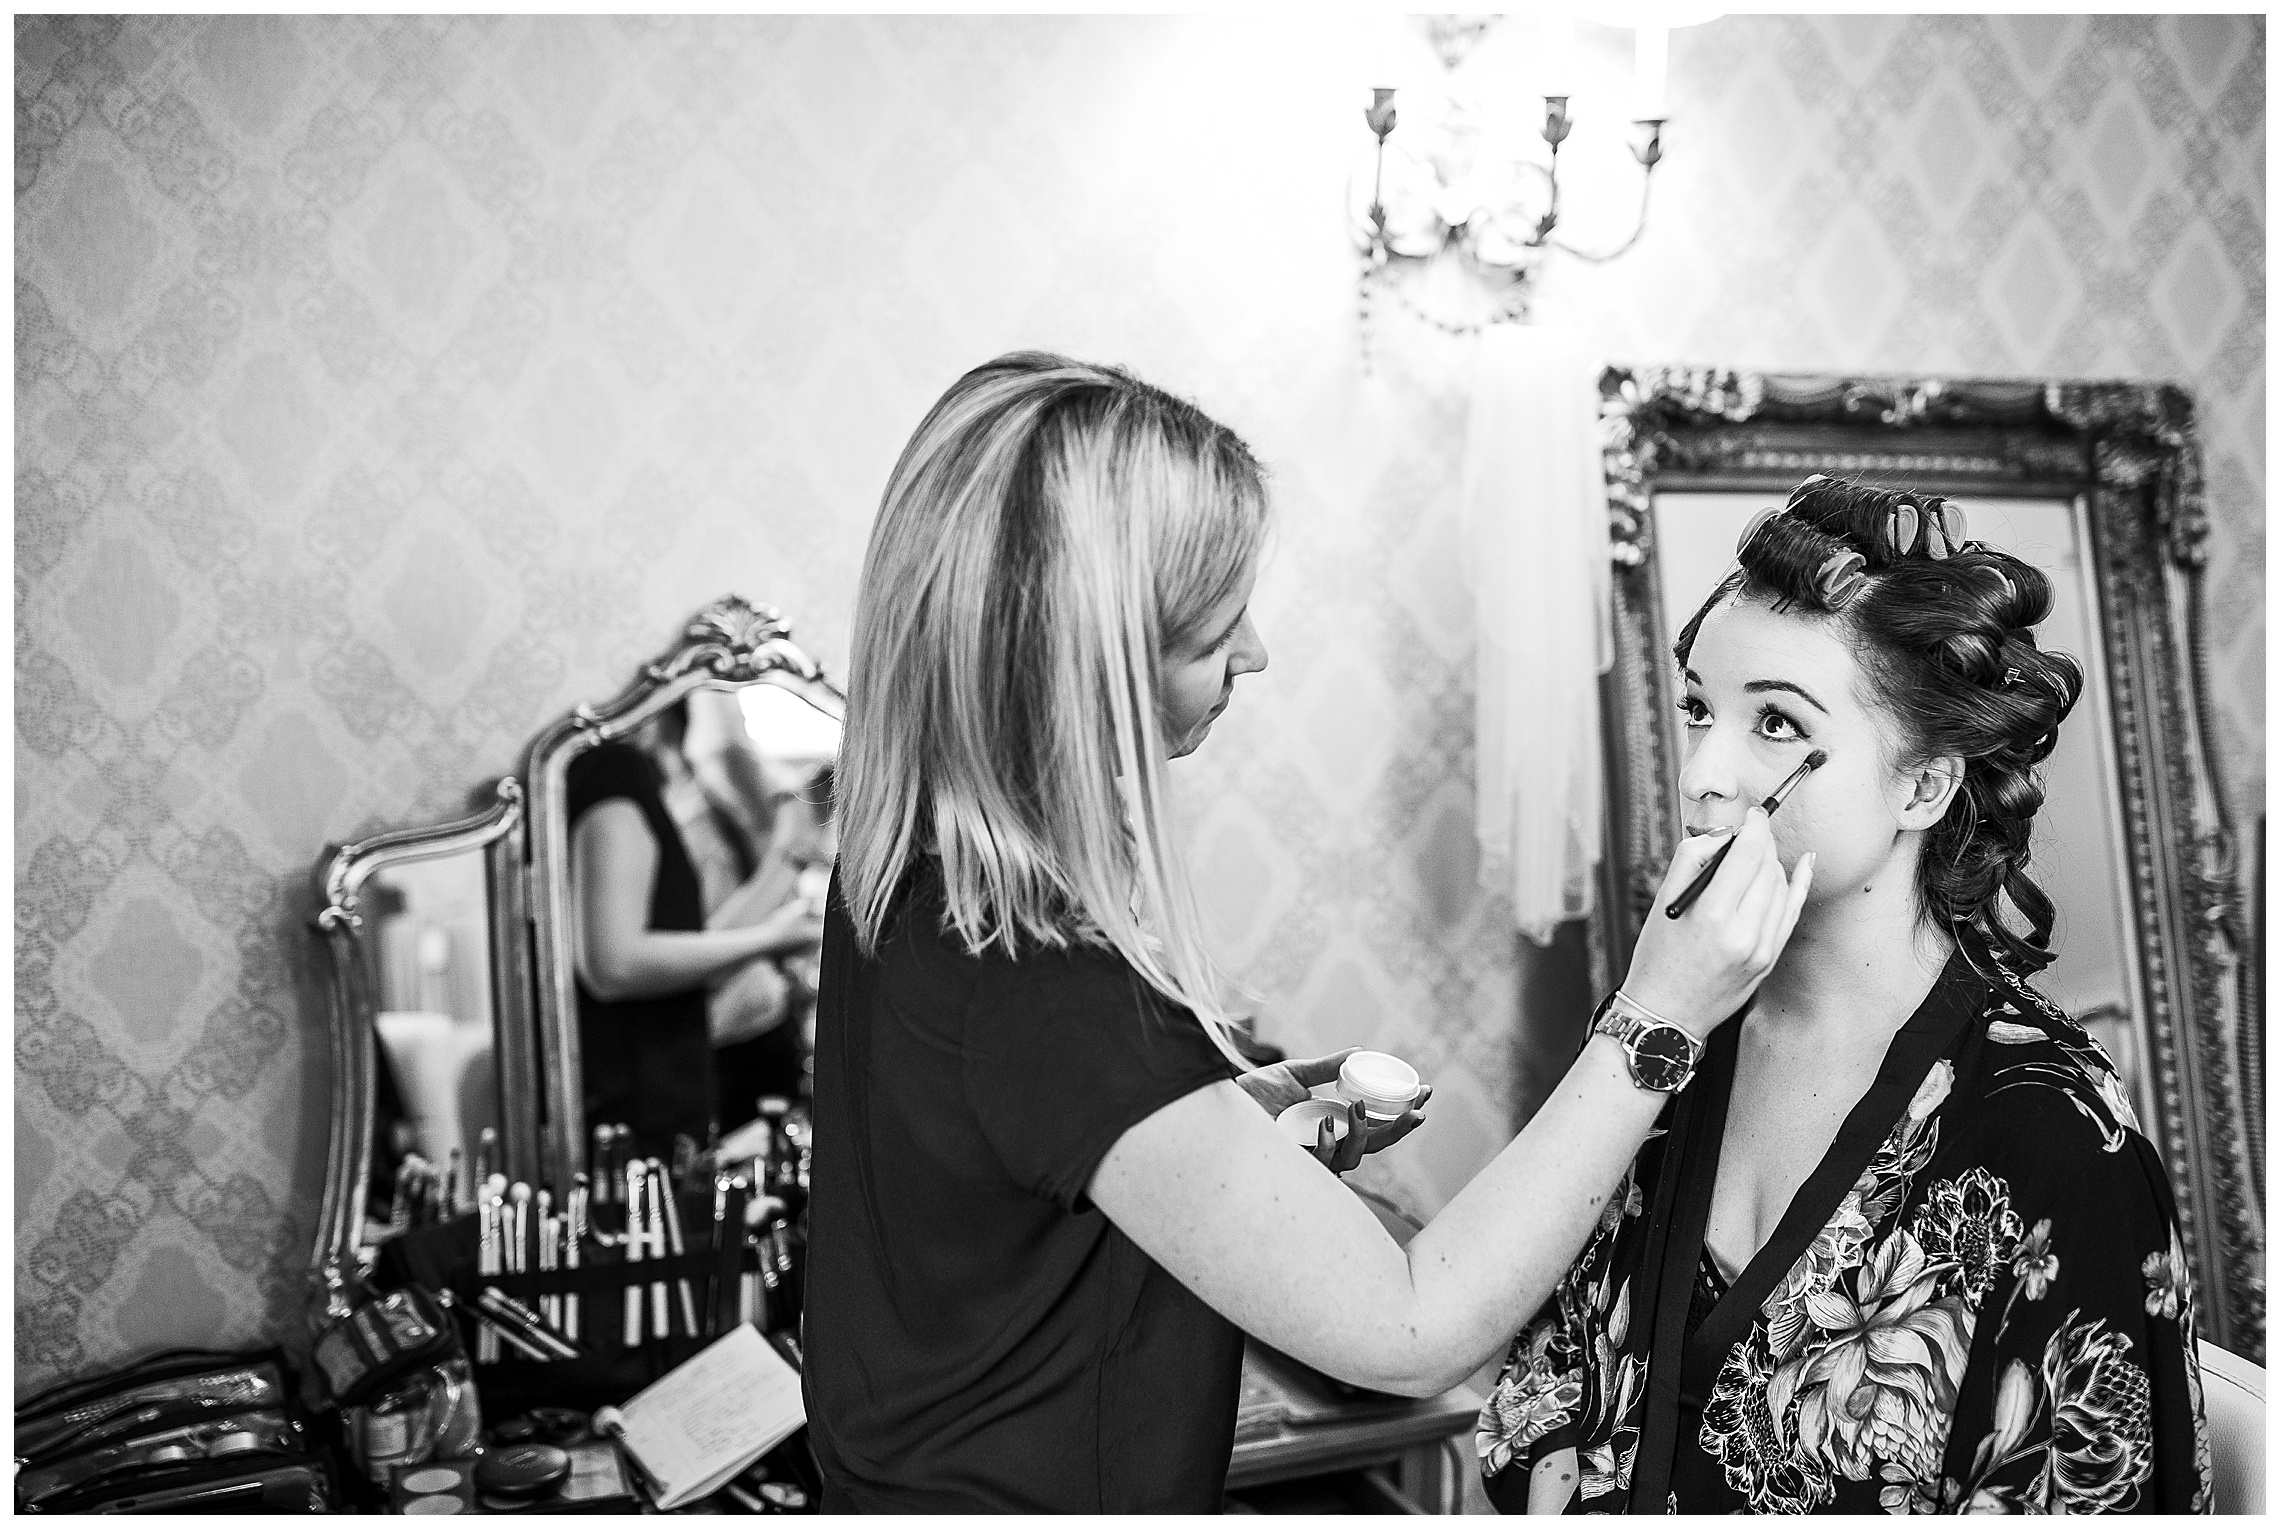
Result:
pixel 381 1342
pixel 189 1430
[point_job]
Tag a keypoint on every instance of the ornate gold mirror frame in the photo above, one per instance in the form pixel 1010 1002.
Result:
pixel 2126 455
pixel 731 643
pixel 341 878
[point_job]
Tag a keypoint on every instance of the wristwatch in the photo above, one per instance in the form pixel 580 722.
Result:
pixel 1662 1056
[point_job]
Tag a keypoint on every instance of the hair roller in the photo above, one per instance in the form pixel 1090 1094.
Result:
pixel 1901 526
pixel 1839 578
pixel 1807 487
pixel 1750 531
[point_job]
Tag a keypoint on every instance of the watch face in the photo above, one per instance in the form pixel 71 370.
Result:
pixel 1662 1056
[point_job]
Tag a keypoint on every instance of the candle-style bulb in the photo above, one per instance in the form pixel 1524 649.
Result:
pixel 1557 123
pixel 1380 114
pixel 1646 141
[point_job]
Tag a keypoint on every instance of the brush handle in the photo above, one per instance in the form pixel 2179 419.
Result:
pixel 1685 899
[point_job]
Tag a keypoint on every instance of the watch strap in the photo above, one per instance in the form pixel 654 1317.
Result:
pixel 1624 1019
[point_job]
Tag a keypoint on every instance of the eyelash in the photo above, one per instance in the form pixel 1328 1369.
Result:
pixel 1696 714
pixel 1227 640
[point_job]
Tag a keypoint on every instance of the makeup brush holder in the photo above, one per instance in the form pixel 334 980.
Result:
pixel 608 1368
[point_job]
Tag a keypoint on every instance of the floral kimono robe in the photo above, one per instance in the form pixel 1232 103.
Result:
pixel 1976 1303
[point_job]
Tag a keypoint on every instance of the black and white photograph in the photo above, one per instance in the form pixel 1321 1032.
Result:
pixel 1264 761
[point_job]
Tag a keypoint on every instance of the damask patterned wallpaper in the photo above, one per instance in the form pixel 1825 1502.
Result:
pixel 385 385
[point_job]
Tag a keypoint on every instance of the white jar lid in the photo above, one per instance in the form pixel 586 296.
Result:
pixel 1375 1075
pixel 1302 1122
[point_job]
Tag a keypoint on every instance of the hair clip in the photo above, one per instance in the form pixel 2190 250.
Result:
pixel 2010 677
pixel 1944 530
pixel 1839 578
pixel 1757 523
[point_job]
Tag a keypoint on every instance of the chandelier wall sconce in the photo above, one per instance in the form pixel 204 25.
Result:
pixel 1451 223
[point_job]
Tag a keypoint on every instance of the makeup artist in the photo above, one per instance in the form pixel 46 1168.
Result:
pixel 643 953
pixel 1047 1198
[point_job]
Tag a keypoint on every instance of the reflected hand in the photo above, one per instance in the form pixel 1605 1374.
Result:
pixel 795 927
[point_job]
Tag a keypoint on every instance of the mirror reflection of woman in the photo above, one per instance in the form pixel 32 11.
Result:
pixel 1047 1196
pixel 1903 1248
pixel 760 1011
pixel 642 952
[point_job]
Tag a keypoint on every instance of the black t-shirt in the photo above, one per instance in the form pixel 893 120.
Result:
pixel 645 1062
pixel 978 1335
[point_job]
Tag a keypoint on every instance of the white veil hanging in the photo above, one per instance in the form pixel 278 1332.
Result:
pixel 1534 508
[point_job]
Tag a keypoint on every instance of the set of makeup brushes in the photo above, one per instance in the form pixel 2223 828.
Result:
pixel 518 1230
pixel 427 1194
pixel 523 1229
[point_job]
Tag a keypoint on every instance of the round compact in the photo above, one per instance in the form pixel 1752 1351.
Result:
pixel 435 1478
pixel 1384 1086
pixel 1302 1122
pixel 522 1470
pixel 432 1505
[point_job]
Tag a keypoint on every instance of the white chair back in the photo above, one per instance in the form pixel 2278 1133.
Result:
pixel 2232 1390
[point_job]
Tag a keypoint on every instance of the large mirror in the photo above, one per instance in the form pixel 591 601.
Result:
pixel 2097 485
pixel 456 977
pixel 739 729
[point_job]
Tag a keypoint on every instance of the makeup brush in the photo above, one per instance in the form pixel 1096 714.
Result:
pixel 573 1237
pixel 654 1190
pixel 1772 804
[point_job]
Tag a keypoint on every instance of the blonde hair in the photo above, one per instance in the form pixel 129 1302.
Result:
pixel 1049 531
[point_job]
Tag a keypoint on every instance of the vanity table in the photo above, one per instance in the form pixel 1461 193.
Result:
pixel 1302 1447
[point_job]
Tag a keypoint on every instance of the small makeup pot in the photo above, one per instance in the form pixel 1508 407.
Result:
pixel 1302 1122
pixel 1384 1086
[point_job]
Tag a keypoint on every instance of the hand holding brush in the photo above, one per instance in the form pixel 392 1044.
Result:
pixel 1772 804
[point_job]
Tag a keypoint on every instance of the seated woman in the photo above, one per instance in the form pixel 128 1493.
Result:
pixel 1903 1246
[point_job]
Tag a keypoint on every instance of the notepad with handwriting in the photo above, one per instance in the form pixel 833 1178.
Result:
pixel 695 1429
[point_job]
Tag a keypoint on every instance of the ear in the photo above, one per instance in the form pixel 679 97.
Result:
pixel 1932 789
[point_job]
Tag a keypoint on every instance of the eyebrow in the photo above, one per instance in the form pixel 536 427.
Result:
pixel 1760 687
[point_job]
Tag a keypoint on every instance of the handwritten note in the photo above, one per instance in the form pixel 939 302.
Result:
pixel 709 1419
